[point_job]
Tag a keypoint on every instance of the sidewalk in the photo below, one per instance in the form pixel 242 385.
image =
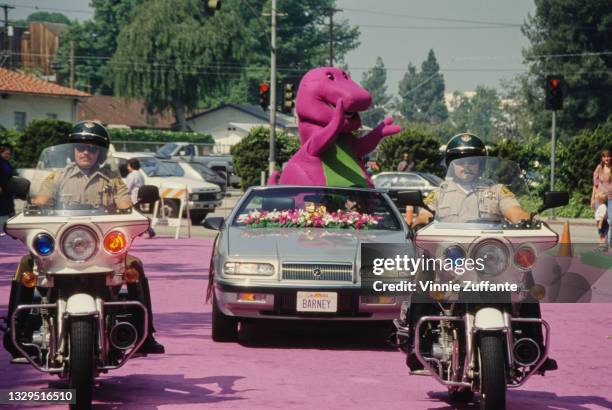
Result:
pixel 573 221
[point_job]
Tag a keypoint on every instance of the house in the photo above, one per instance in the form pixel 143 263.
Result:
pixel 229 123
pixel 38 46
pixel 24 98
pixel 115 112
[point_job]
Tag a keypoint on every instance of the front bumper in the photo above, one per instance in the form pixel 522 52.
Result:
pixel 204 206
pixel 275 302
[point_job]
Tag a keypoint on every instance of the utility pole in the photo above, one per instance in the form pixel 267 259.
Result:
pixel 7 43
pixel 272 158
pixel 552 156
pixel 71 64
pixel 331 11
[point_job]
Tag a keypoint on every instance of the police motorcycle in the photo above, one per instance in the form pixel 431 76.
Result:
pixel 78 322
pixel 476 326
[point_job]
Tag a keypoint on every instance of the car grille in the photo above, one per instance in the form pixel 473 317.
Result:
pixel 206 196
pixel 317 271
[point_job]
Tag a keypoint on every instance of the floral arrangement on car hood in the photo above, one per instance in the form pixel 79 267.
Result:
pixel 300 218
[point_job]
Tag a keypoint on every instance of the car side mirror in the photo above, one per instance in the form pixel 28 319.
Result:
pixel 214 222
pixel 554 199
pixel 413 198
pixel 148 194
pixel 19 187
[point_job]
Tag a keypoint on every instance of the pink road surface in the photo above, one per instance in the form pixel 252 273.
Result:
pixel 302 365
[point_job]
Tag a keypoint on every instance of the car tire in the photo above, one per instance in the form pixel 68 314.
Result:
pixel 224 328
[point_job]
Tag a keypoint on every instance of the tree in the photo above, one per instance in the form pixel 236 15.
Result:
pixel 44 16
pixel 479 114
pixel 422 93
pixel 251 154
pixel 423 149
pixel 374 81
pixel 38 135
pixel 571 38
pixel 172 55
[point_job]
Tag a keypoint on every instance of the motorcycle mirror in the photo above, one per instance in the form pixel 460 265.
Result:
pixel 214 222
pixel 554 199
pixel 414 198
pixel 148 194
pixel 19 187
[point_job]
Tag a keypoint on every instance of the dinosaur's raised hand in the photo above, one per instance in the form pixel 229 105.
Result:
pixel 320 141
pixel 387 128
pixel 366 144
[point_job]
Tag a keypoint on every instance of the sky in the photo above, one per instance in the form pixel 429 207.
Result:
pixel 476 42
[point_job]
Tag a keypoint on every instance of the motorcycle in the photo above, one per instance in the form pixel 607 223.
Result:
pixel 79 322
pixel 478 329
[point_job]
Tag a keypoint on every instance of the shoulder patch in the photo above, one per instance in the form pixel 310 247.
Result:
pixel 506 191
pixel 51 176
pixel 429 198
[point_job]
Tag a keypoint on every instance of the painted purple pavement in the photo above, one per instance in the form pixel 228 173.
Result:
pixel 303 365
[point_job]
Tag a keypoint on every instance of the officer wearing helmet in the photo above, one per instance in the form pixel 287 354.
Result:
pixel 466 196
pixel 87 180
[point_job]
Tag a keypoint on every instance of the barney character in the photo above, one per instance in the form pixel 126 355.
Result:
pixel 328 104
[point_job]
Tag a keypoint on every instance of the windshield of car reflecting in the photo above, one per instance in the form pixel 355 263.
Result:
pixel 167 150
pixel 153 167
pixel 476 193
pixel 203 170
pixel 433 179
pixel 76 179
pixel 399 180
pixel 305 207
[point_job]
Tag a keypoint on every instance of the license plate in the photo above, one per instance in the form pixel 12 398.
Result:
pixel 317 302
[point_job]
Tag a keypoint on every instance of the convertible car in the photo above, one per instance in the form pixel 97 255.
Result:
pixel 292 252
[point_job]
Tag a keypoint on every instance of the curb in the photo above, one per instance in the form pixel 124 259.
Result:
pixel 560 221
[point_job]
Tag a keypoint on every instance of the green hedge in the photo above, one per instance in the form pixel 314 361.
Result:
pixel 422 146
pixel 251 154
pixel 121 134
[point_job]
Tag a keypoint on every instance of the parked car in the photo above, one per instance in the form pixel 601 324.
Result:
pixel 396 182
pixel 220 163
pixel 298 272
pixel 204 197
pixel 198 170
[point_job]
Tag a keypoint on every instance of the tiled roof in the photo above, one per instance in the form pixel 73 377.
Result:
pixel 110 110
pixel 12 82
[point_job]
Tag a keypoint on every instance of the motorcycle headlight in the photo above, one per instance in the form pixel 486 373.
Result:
pixel 525 257
pixel 43 244
pixel 79 243
pixel 247 268
pixel 455 254
pixel 493 256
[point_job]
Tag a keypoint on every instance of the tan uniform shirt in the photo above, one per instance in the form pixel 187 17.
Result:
pixel 481 199
pixel 71 185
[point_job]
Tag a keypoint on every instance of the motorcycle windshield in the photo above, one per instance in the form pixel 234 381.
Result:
pixel 78 179
pixel 477 193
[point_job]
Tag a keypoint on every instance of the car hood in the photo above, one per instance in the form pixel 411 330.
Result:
pixel 193 185
pixel 316 244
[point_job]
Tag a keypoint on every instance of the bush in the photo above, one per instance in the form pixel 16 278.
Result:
pixel 251 154
pixel 38 135
pixel 9 137
pixel 122 134
pixel 422 146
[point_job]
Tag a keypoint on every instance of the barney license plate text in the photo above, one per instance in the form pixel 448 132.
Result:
pixel 317 302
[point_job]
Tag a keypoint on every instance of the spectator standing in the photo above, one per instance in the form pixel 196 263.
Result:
pixel 134 180
pixel 405 164
pixel 601 218
pixel 7 202
pixel 602 187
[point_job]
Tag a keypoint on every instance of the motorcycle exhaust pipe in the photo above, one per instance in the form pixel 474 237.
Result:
pixel 123 335
pixel 526 352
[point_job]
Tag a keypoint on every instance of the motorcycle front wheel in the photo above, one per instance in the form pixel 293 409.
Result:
pixel 492 372
pixel 82 361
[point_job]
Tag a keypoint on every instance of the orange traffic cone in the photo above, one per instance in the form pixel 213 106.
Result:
pixel 565 244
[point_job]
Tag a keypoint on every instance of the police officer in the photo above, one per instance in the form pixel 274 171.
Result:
pixel 465 196
pixel 86 181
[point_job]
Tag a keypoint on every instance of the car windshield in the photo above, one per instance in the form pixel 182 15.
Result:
pixel 399 180
pixel 305 207
pixel 76 178
pixel 203 170
pixel 433 179
pixel 477 191
pixel 153 167
pixel 166 150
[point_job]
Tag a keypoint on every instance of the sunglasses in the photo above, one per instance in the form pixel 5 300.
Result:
pixel 92 149
pixel 467 161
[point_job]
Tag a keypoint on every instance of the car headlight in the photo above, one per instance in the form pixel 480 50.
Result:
pixel 248 268
pixel 219 195
pixel 79 243
pixel 43 244
pixel 493 255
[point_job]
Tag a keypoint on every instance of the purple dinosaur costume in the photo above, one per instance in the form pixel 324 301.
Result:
pixel 328 104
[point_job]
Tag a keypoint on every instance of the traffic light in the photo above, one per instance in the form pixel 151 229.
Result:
pixel 210 6
pixel 264 96
pixel 555 89
pixel 288 97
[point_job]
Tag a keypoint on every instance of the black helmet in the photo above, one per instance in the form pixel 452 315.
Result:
pixel 90 132
pixel 464 145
